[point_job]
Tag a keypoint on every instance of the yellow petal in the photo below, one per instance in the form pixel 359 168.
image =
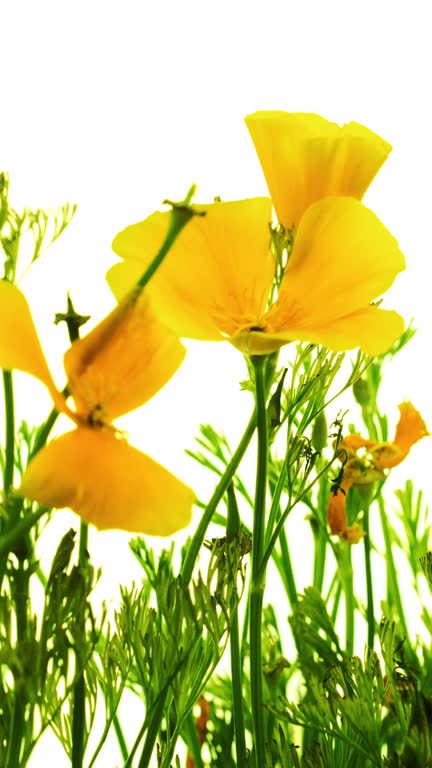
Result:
pixel 373 330
pixel 123 362
pixel 218 274
pixel 108 483
pixel 20 347
pixel 343 258
pixel 305 157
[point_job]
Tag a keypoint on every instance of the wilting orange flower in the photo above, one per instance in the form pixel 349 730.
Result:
pixel 216 281
pixel 305 158
pixel 118 366
pixel 365 464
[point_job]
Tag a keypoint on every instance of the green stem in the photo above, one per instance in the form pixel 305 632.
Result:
pixel 20 594
pixel 120 737
pixel 196 542
pixel 79 693
pixel 152 732
pixel 320 546
pixel 181 214
pixel 369 588
pixel 394 597
pixel 10 431
pixel 44 431
pixel 233 531
pixel 257 584
pixel 285 568
pixel 348 583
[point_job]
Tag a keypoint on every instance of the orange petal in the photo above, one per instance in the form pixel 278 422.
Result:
pixel 19 343
pixel 409 430
pixel 124 361
pixel 216 277
pixel 353 443
pixel 108 483
pixel 336 511
pixel 305 157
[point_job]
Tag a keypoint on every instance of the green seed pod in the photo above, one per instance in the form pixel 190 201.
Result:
pixel 320 432
pixel 361 392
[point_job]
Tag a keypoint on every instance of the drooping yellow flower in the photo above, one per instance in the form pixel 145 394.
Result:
pixel 216 281
pixel 365 462
pixel 118 366
pixel 305 158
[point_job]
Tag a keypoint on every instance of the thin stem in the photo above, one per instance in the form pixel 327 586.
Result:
pixel 10 431
pixel 392 581
pixel 257 585
pixel 369 588
pixel 120 737
pixel 320 546
pixel 233 531
pixel 221 488
pixel 348 584
pixel 45 431
pixel 285 568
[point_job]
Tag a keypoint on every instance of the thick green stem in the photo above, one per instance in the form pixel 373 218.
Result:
pixel 257 584
pixel 221 488
pixel 10 431
pixel 233 531
pixel 79 694
pixel 369 588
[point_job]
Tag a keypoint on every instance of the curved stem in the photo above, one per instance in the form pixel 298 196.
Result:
pixel 257 585
pixel 180 215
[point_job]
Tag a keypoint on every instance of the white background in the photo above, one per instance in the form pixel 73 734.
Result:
pixel 117 105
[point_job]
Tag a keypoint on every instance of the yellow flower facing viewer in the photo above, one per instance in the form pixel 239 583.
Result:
pixel 305 158
pixel 117 367
pixel 216 281
pixel 366 460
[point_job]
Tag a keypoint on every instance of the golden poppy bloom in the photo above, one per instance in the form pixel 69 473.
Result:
pixel 366 460
pixel 118 366
pixel 217 279
pixel 305 158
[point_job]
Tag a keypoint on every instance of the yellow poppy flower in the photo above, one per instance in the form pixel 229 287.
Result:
pixel 118 366
pixel 216 281
pixel 366 460
pixel 305 158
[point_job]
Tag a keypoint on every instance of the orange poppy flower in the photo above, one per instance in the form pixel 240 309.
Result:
pixel 216 281
pixel 118 366
pixel 366 461
pixel 305 158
